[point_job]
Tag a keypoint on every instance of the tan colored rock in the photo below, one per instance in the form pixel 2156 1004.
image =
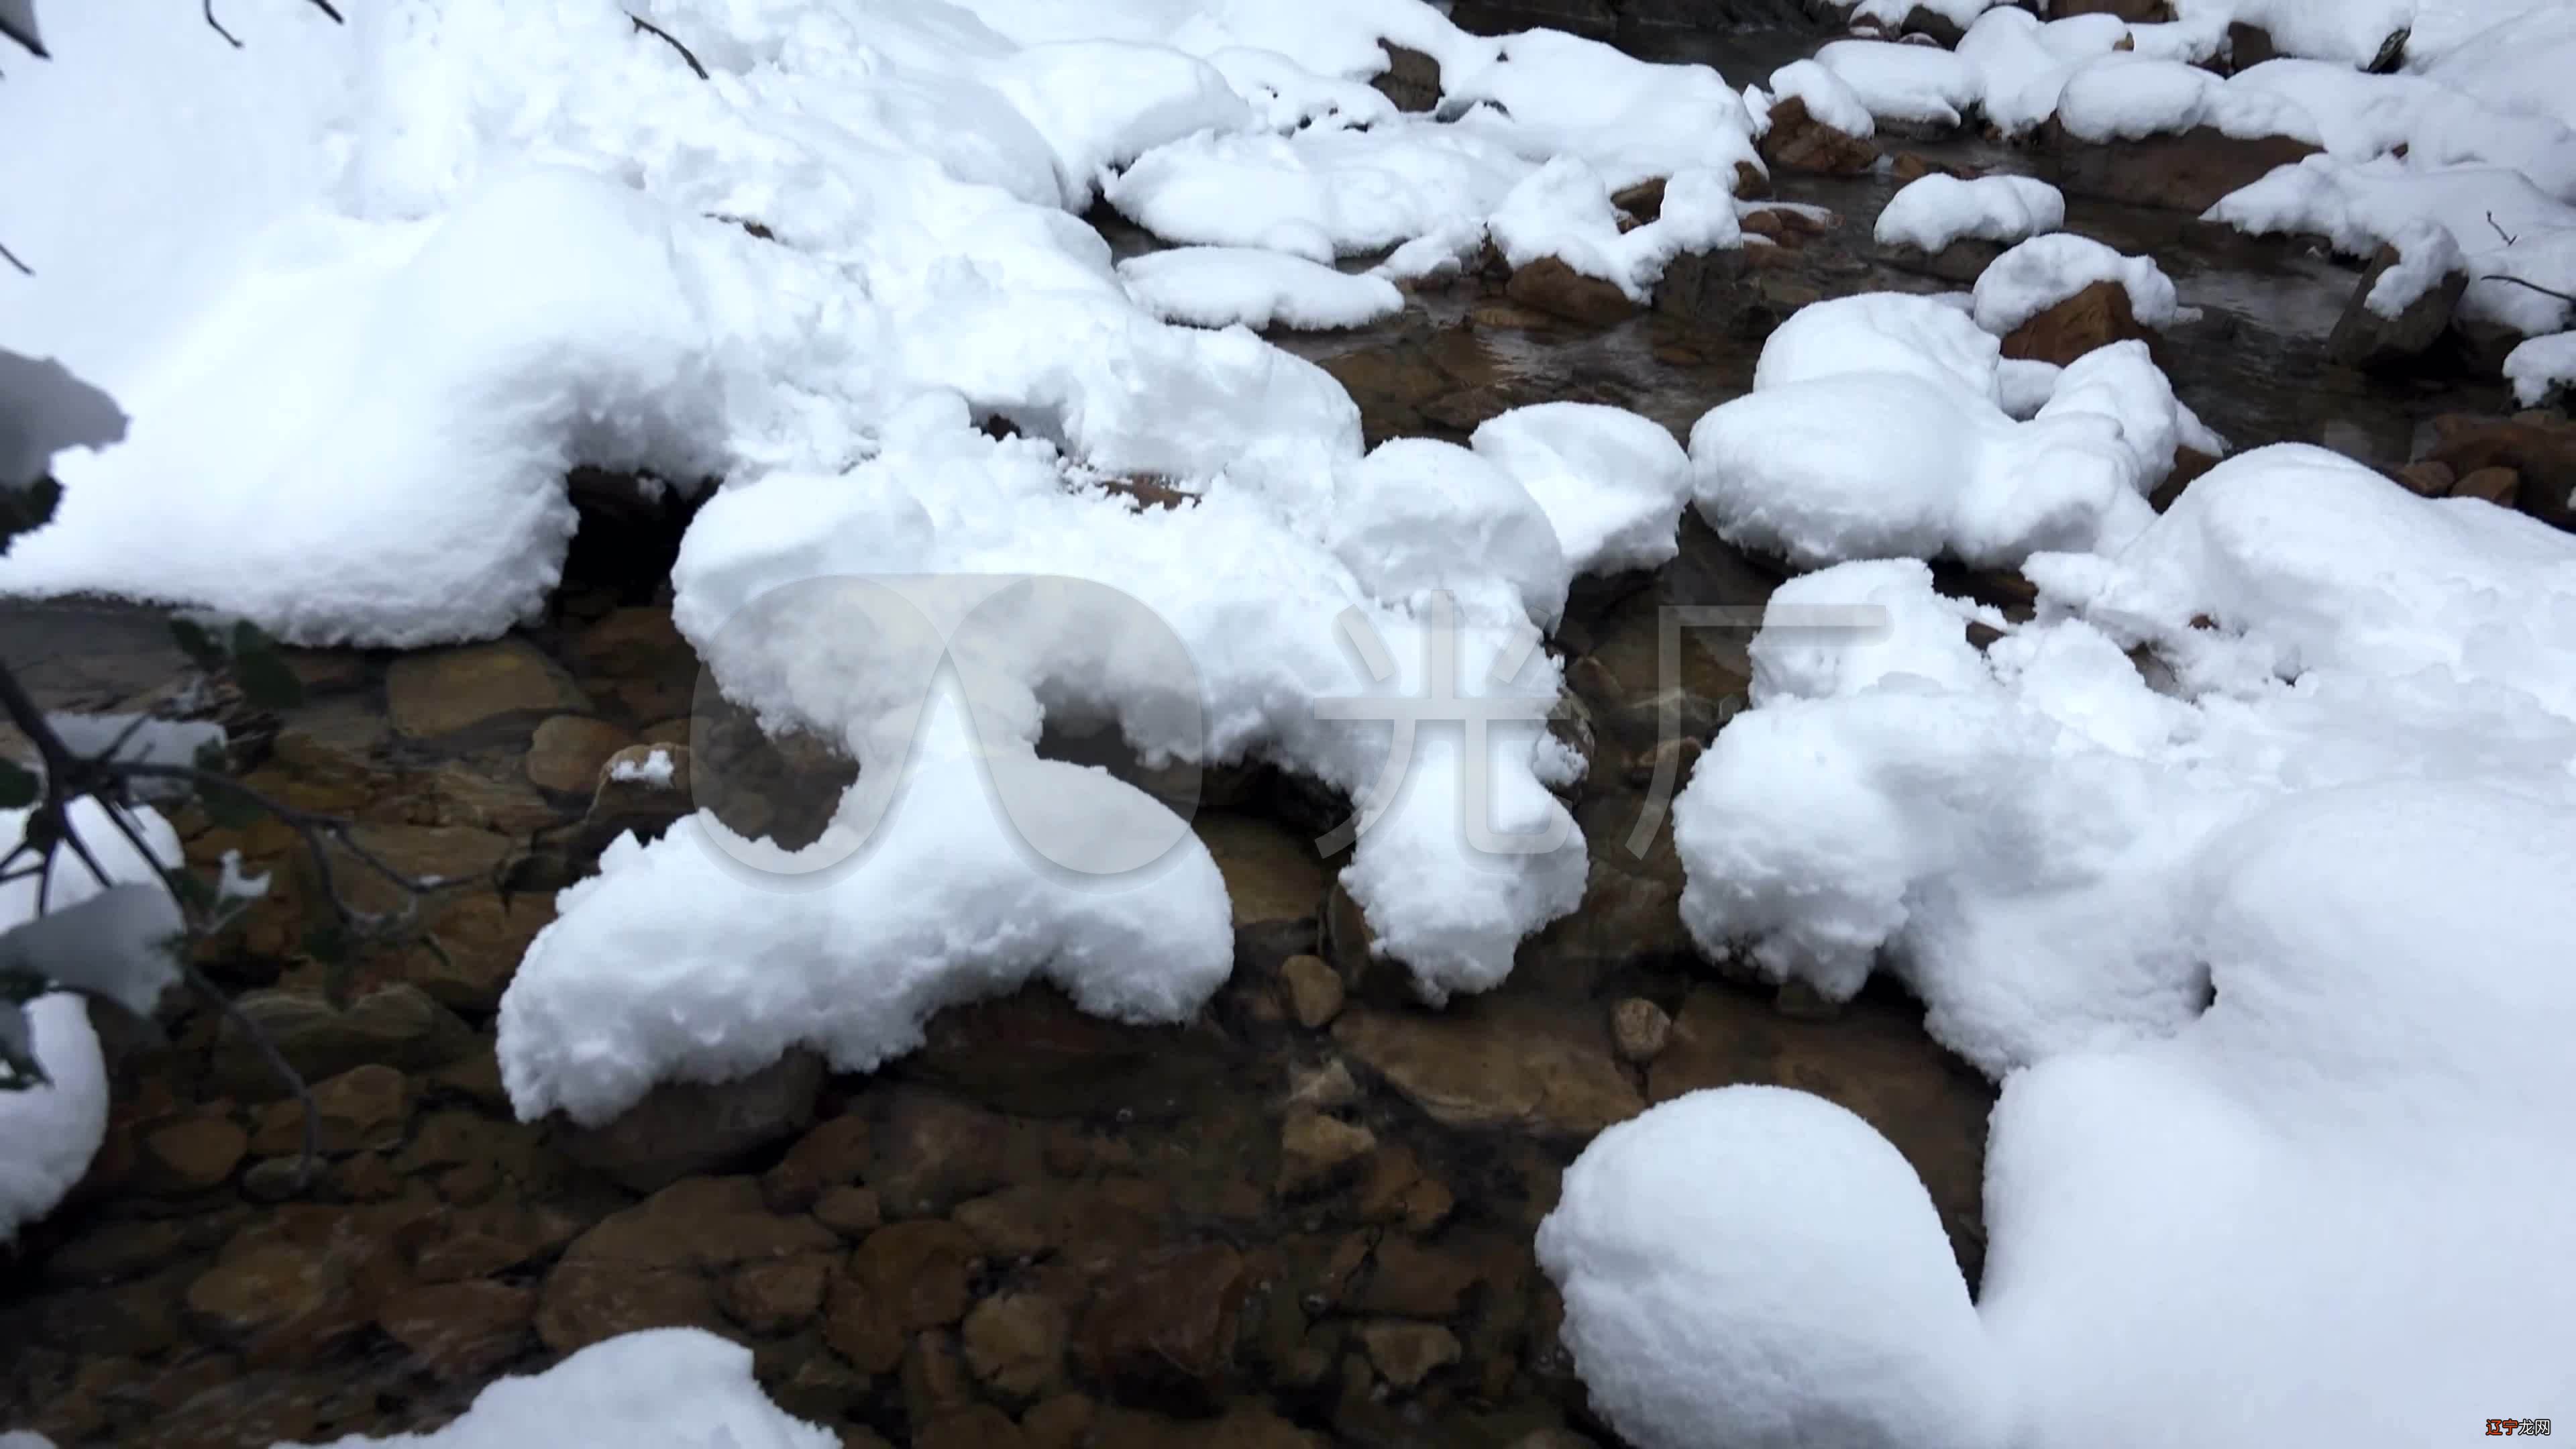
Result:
pixel 650 1265
pixel 852 1212
pixel 398 1026
pixel 568 751
pixel 1406 1279
pixel 920 1271
pixel 2426 479
pixel 1314 990
pixel 481 937
pixel 2094 317
pixel 1797 141
pixel 1639 1028
pixel 1014 1343
pixel 459 1331
pixel 362 1109
pixel 1406 1353
pixel 1644 201
pixel 260 1287
pixel 1327 1088
pixel 973 1426
pixel 1494 1064
pixel 2499 486
pixel 834 1154
pixel 631 642
pixel 1271 874
pixel 191 1155
pixel 1548 285
pixel 448 691
pixel 1017 1222
pixel 2539 446
pixel 776 1295
pixel 1318 1152
pixel 2186 171
pixel 1397 1189
pixel 1163 1325
pixel 931 1152
pixel 681 1129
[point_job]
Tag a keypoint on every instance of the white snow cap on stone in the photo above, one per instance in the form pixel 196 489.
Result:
pixel 1756 1266
pixel 1935 210
pixel 2037 274
pixel 1829 101
pixel 1242 286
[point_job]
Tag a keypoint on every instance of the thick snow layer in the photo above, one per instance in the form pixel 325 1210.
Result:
pixel 2426 257
pixel 1893 12
pixel 2037 274
pixel 2541 366
pixel 2271 1225
pixel 2514 55
pixel 1933 211
pixel 2019 844
pixel 662 1388
pixel 1318 194
pixel 1919 85
pixel 2125 97
pixel 1612 483
pixel 1239 286
pixel 2504 225
pixel 2346 31
pixel 1563 210
pixel 49 1133
pixel 1550 94
pixel 1942 469
pixel 1757 1267
pixel 1828 100
pixel 2361 116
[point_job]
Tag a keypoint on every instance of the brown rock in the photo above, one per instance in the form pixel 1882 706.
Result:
pixel 1961 261
pixel 632 642
pixel 834 1154
pixel 2427 479
pixel 1327 1088
pixel 1495 1064
pixel 1271 874
pixel 2095 317
pixel 1644 201
pixel 1913 166
pixel 1164 1327
pixel 1062 1422
pixel 1397 1189
pixel 1314 990
pixel 682 1129
pixel 934 1379
pixel 2495 485
pixel 2186 171
pixel 459 1330
pixel 363 1109
pixel 1409 1280
pixel 491 1238
pixel 1316 1152
pixel 399 1026
pixel 1017 1222
pixel 2136 12
pixel 850 1211
pixel 648 1266
pixel 1034 1053
pixel 1407 1353
pixel 191 1155
pixel 2539 446
pixel 1797 141
pixel 260 1287
pixel 919 1271
pixel 974 1426
pixel 2363 338
pixel 1639 1029
pixel 859 1328
pixel 443 692
pixel 1412 80
pixel 932 1152
pixel 1014 1343
pixel 1549 285
pixel 776 1295
pixel 569 750
pixel 481 938
pixel 640 789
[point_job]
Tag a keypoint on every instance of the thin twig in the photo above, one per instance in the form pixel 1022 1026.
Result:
pixel 12 259
pixel 673 41
pixel 219 26
pixel 2509 237
pixel 2535 286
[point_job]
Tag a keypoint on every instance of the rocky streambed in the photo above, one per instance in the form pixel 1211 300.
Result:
pixel 1303 1218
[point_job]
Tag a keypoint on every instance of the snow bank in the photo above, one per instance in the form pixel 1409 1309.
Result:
pixel 1611 483
pixel 662 1388
pixel 2515 55
pixel 1564 211
pixel 1238 286
pixel 1917 85
pixel 1828 100
pixel 2268 1225
pixel 48 1134
pixel 2019 844
pixel 2362 116
pixel 2127 97
pixel 2350 32
pixel 1932 211
pixel 1550 94
pixel 2037 274
pixel 1318 194
pixel 1757 1266
pixel 1942 469
pixel 2541 366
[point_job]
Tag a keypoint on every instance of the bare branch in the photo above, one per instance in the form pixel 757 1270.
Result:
pixel 12 259
pixel 218 26
pixel 2535 286
pixel 673 41
pixel 2509 237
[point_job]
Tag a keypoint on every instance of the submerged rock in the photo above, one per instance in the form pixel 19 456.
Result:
pixel 2364 338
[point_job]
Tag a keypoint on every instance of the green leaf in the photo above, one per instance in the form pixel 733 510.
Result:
pixel 199 643
pixel 19 786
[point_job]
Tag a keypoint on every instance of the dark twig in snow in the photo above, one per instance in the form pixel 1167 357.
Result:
pixel 2509 237
pixel 2535 286
pixel 218 26
pixel 671 40
pixel 12 259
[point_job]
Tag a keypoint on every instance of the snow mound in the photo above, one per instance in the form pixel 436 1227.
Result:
pixel 2018 840
pixel 1935 210
pixel 1318 194
pixel 2347 31
pixel 2129 97
pixel 2540 366
pixel 1757 1266
pixel 1828 100
pixel 2037 274
pixel 1942 469
pixel 662 1388
pixel 1913 85
pixel 1237 286
pixel 1612 483
pixel 1563 210
pixel 2265 1225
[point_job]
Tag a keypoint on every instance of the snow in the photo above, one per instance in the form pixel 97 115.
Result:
pixel 662 1388
pixel 656 769
pixel 1892 13
pixel 1238 286
pixel 1611 483
pixel 1628 119
pixel 1318 194
pixel 2126 97
pixel 2540 366
pixel 1756 1266
pixel 1828 100
pixel 2037 274
pixel 1563 210
pixel 85 932
pixel 2346 31
pixel 1419 516
pixel 1942 469
pixel 1934 210
pixel 1917 85
pixel 2019 845
pixel 2426 257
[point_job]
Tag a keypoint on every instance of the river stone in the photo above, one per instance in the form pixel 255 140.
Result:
pixel 2363 338
pixel 1033 1053
pixel 1549 285
pixel 2499 486
pixel 919 1271
pixel 1272 875
pixel 568 750
pixel 398 1025
pixel 648 1266
pixel 835 1153
pixel 459 1331
pixel 1316 1152
pixel 448 691
pixel 1639 1029
pixel 1488 1064
pixel 362 1109
pixel 258 1287
pixel 191 1155
pixel 2539 446
pixel 1314 990
pixel 1014 1343
pixel 682 1129
pixel 777 1295
pixel 2097 316
pixel 1797 141
pixel 1407 1353
pixel 1411 80
pixel 482 937
pixel 1162 1329
pixel 2184 171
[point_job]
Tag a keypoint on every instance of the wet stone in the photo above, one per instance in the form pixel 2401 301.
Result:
pixel 1318 1152
pixel 850 1211
pixel 1162 1330
pixel 1314 990
pixel 445 692
pixel 459 1330
pixel 1014 1343
pixel 191 1155
pixel 1490 1064
pixel 1639 1029
pixel 682 1129
pixel 568 751
pixel 1407 1353
pixel 398 1026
